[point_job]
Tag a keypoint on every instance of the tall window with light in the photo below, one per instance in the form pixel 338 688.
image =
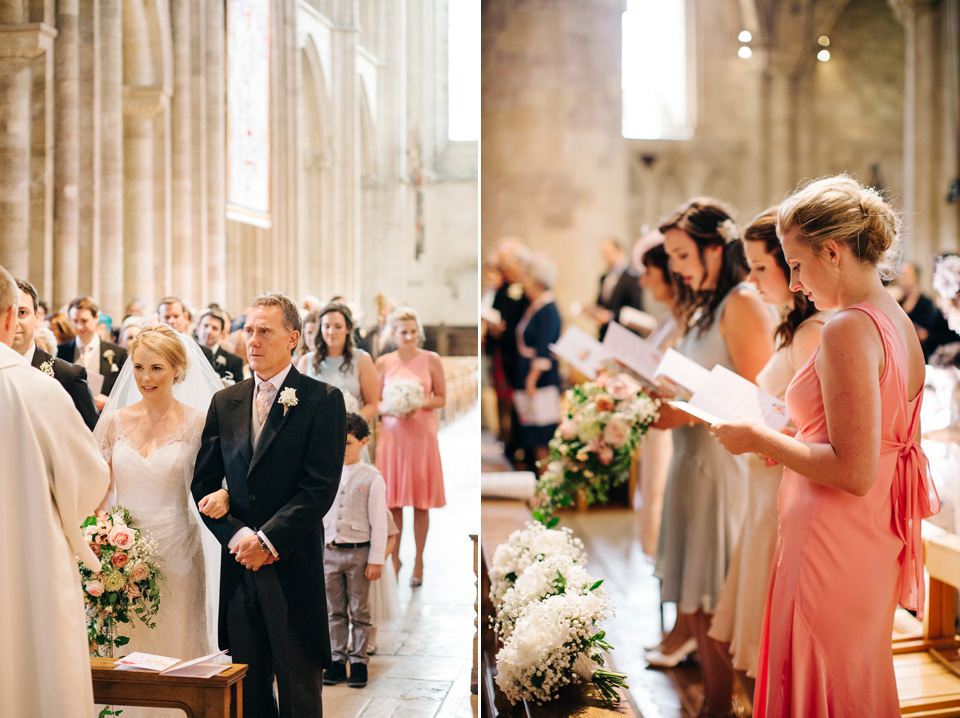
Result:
pixel 463 70
pixel 655 72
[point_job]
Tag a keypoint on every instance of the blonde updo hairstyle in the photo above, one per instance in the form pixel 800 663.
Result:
pixel 841 209
pixel 166 342
pixel 404 314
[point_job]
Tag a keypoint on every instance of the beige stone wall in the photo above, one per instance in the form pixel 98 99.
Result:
pixel 121 191
pixel 884 108
pixel 553 160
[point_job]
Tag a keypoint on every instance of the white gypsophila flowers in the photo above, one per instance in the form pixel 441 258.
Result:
pixel 403 396
pixel 350 402
pixel 525 546
pixel 548 639
pixel 552 576
pixel 946 276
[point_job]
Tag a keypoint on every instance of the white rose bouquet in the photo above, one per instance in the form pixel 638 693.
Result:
pixel 127 584
pixel 592 447
pixel 350 401
pixel 527 546
pixel 402 396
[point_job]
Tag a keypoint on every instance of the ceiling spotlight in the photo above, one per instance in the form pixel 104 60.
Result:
pixel 744 52
pixel 823 56
pixel 745 36
pixel 823 41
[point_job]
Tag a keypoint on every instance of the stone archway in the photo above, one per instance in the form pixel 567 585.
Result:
pixel 315 245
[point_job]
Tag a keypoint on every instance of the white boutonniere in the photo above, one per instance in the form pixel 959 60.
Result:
pixel 515 291
pixel 108 355
pixel 288 397
pixel 221 360
pixel 114 368
pixel 47 367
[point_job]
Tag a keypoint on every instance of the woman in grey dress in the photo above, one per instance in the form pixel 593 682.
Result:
pixel 706 492
pixel 336 360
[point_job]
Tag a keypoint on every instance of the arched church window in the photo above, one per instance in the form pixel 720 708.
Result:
pixel 463 57
pixel 655 70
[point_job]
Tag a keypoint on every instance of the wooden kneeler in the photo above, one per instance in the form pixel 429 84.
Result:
pixel 926 656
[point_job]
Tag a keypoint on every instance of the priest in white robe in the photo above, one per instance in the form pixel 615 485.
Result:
pixel 53 477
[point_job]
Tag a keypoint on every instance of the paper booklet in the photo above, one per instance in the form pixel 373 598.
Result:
pixel 682 373
pixel 491 315
pixel 726 396
pixel 95 381
pixel 631 317
pixel 581 351
pixel 196 668
pixel 635 353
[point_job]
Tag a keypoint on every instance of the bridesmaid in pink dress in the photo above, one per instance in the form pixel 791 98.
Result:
pixel 408 454
pixel 855 484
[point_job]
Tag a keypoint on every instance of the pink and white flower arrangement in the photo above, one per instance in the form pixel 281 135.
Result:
pixel 592 447
pixel 127 584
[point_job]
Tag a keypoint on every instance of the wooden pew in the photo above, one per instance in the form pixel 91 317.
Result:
pixel 927 664
pixel 500 518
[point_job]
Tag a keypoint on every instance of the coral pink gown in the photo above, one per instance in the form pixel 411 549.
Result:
pixel 843 561
pixel 408 454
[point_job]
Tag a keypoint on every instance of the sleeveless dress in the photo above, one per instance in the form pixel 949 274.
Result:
pixel 331 374
pixel 705 497
pixel 408 454
pixel 156 490
pixel 739 616
pixel 842 561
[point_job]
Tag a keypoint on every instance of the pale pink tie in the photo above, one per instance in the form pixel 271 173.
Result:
pixel 264 396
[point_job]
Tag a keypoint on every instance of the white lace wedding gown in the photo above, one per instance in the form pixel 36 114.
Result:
pixel 156 490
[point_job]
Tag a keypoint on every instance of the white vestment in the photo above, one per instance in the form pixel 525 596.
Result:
pixel 53 478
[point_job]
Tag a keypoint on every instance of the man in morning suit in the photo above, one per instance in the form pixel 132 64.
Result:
pixel 97 356
pixel 279 440
pixel 619 286
pixel 73 378
pixel 210 332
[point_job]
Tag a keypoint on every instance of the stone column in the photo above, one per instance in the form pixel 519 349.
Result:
pixel 553 157
pixel 778 109
pixel 336 267
pixel 66 215
pixel 923 195
pixel 142 106
pixel 216 229
pixel 182 127
pixel 111 158
pixel 19 45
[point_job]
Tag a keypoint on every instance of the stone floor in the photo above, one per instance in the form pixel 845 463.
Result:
pixel 423 661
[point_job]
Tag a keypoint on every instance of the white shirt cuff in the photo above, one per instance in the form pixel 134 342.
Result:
pixel 263 537
pixel 240 534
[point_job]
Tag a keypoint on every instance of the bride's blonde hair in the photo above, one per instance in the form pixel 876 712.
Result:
pixel 167 343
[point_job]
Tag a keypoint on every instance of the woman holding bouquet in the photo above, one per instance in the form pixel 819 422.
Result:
pixel 149 434
pixel 408 454
pixel 335 359
pixel 706 493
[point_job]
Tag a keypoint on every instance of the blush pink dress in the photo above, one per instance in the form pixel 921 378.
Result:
pixel 843 561
pixel 408 454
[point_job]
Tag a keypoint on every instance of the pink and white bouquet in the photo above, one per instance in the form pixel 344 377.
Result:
pixel 592 448
pixel 127 584
pixel 549 620
pixel 402 396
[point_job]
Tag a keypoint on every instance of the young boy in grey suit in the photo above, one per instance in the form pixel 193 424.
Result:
pixel 356 534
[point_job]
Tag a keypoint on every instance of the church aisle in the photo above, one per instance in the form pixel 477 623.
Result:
pixel 423 661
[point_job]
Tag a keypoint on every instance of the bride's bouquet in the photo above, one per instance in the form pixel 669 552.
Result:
pixel 402 396
pixel 592 448
pixel 127 584
pixel 548 618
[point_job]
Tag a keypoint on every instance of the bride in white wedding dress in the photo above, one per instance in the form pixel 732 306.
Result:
pixel 149 433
